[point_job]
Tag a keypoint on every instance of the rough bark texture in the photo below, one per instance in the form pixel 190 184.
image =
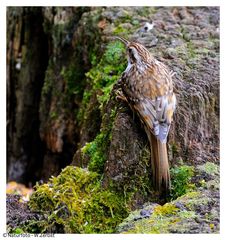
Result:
pixel 61 110
pixel 27 59
pixel 44 85
pixel 183 41
pixel 187 40
pixel 62 90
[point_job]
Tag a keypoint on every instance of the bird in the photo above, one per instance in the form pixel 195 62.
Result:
pixel 146 85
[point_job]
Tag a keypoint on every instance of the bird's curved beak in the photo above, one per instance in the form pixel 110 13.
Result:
pixel 123 40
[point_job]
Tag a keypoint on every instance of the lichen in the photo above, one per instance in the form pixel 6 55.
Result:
pixel 165 210
pixel 15 231
pixel 209 168
pixel 75 201
pixel 195 211
pixel 192 199
pixel 177 216
pixel 159 221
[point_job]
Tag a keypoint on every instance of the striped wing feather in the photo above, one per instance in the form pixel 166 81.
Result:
pixel 151 96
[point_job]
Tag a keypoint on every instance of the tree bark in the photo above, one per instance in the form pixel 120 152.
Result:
pixel 27 60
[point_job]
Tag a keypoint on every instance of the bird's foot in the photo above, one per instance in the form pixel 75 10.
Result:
pixel 120 95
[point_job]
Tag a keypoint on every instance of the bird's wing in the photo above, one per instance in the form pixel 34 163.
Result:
pixel 157 114
pixel 151 95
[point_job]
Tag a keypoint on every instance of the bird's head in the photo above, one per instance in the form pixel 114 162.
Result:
pixel 136 52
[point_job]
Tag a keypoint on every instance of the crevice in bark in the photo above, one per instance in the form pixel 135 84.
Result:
pixel 27 61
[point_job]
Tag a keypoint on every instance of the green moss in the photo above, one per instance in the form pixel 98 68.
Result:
pixel 167 218
pixel 174 148
pixel 96 152
pixel 187 214
pixel 147 11
pixel 102 78
pixel 159 222
pixel 81 116
pixel 48 82
pixel 137 186
pixel 53 115
pixel 97 149
pixel 192 199
pixel 75 200
pixel 40 226
pixel 72 77
pixel 151 226
pixel 107 71
pixel 191 51
pixel 16 230
pixel 181 180
pixel 121 30
pixel 189 195
pixel 166 209
pixel 198 200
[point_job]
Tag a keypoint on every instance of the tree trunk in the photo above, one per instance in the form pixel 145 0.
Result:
pixel 27 60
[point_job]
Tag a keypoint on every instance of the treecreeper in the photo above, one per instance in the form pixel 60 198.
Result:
pixel 147 86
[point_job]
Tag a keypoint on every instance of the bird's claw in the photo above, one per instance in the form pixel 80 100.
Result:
pixel 120 96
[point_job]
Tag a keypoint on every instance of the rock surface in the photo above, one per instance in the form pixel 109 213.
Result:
pixel 76 119
pixel 181 39
pixel 194 212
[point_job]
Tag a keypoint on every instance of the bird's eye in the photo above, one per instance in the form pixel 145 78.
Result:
pixel 131 55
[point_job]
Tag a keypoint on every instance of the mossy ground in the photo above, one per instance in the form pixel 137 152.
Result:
pixel 181 180
pixel 193 212
pixel 75 201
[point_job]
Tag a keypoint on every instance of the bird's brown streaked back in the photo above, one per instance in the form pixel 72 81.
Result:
pixel 147 85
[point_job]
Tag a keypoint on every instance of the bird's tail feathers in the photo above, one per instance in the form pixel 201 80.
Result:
pixel 160 165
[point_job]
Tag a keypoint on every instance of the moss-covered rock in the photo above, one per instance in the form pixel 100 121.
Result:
pixel 197 211
pixel 102 77
pixel 76 202
pixel 181 180
pixel 79 112
pixel 119 149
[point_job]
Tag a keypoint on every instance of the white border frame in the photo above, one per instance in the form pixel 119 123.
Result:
pixel 220 3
